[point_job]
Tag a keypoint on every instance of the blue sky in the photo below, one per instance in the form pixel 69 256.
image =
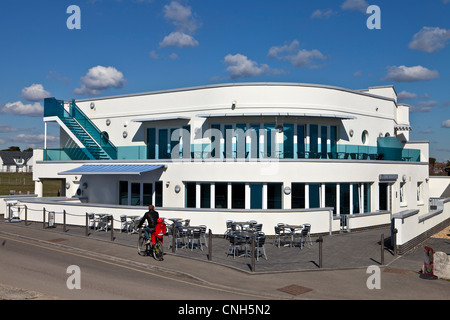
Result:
pixel 129 46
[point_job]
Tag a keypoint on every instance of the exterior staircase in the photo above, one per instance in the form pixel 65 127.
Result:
pixel 95 143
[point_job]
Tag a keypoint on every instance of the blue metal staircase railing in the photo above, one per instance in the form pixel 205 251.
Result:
pixel 95 142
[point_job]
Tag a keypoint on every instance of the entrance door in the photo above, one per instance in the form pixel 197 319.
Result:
pixel 385 196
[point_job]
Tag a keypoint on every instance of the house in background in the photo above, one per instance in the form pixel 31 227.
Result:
pixel 16 161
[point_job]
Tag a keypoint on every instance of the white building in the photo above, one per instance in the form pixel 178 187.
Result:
pixel 263 151
pixel 16 161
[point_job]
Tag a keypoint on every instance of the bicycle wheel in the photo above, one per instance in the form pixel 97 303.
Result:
pixel 141 246
pixel 158 251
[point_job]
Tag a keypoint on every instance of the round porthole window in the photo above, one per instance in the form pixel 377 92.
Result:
pixel 105 137
pixel 365 137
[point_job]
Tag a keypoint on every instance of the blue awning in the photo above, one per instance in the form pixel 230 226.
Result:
pixel 92 169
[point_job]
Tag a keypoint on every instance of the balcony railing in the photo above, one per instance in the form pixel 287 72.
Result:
pixel 203 152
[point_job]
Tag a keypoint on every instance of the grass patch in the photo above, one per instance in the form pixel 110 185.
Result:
pixel 18 181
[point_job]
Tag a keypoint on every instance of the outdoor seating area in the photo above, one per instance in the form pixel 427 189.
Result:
pixel 241 236
pixel 292 235
pixel 99 221
pixel 183 235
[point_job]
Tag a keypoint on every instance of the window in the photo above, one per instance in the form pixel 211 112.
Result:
pixel 135 194
pixel 274 195
pixel 163 144
pixel 254 141
pixel 221 196
pixel 158 194
pixel 333 138
pixel 216 136
pixel 151 138
pixel 323 140
pixel 238 196
pixel 288 141
pixel 402 194
pixel 205 195
pixel 356 196
pixel 190 194
pixel 313 134
pixel 228 140
pixel 269 140
pixel 314 195
pixel 298 196
pixel 241 145
pixel 256 196
pixel 419 193
pixel 367 200
pixel 344 198
pixel 123 193
pixel 330 196
pixel 148 194
pixel 301 141
pixel 365 137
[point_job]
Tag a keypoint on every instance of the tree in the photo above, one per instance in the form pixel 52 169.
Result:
pixel 12 148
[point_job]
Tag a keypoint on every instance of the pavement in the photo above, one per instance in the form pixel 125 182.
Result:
pixel 287 273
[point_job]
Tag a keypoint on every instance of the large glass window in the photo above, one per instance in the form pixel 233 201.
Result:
pixel 298 196
pixel 123 192
pixel 367 199
pixel 205 195
pixel 228 140
pixel 344 198
pixel 274 195
pixel 216 136
pixel 269 140
pixel 301 141
pixel 333 139
pixel 288 141
pixel 313 137
pixel 147 194
pixel 221 196
pixel 330 196
pixel 254 141
pixel 256 196
pixel 355 190
pixel 241 146
pixel 323 141
pixel 163 144
pixel 190 194
pixel 158 194
pixel 238 195
pixel 135 194
pixel 314 195
pixel 151 138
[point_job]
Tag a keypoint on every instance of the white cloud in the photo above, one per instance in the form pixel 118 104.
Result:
pixel 430 39
pixel 322 14
pixel 409 74
pixel 35 92
pixel 178 39
pixel 19 108
pixel 446 124
pixel 239 66
pixel 297 57
pixel 181 17
pixel 6 128
pixel 358 5
pixel 405 95
pixel 185 24
pixel 33 139
pixel 100 78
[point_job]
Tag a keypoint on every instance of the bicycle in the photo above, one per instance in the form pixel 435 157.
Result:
pixel 146 249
